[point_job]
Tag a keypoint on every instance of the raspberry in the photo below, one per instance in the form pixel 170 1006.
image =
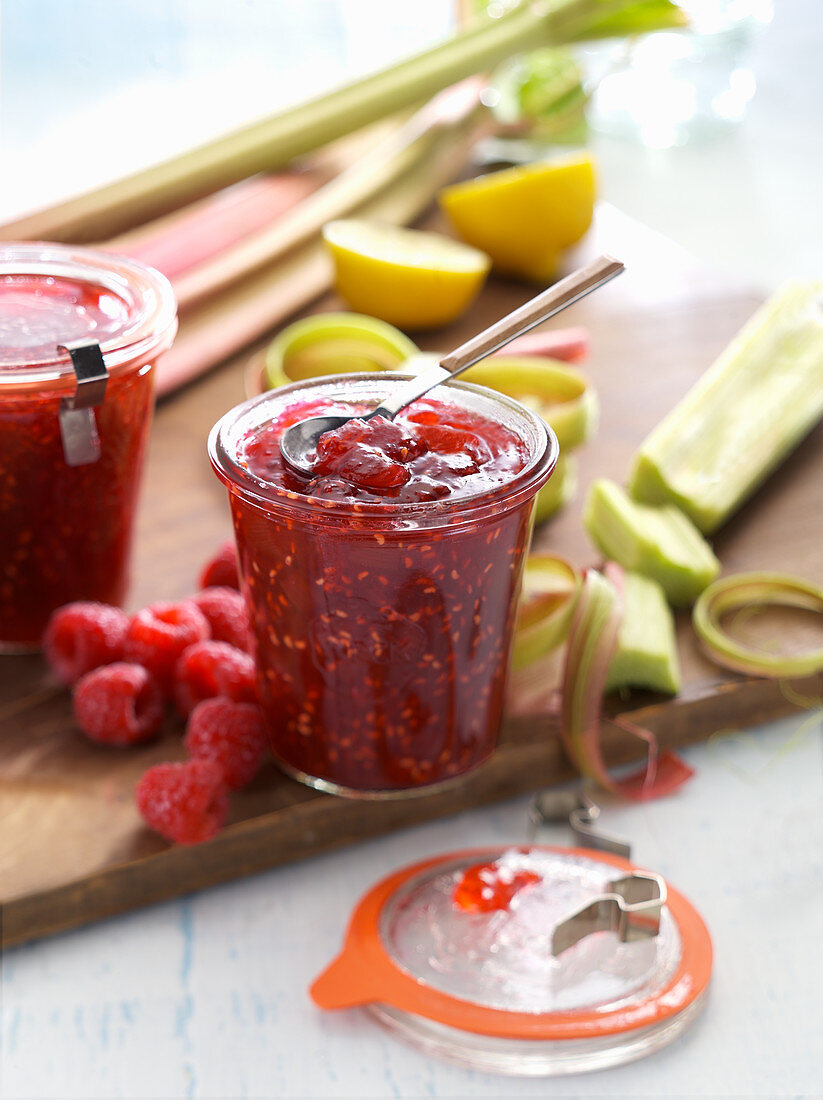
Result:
pixel 226 611
pixel 221 570
pixel 82 636
pixel 158 634
pixel 118 704
pixel 183 802
pixel 229 734
pixel 207 669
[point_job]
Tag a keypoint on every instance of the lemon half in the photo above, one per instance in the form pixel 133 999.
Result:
pixel 409 278
pixel 524 217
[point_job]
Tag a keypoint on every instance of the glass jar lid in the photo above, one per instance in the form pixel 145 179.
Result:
pixel 483 987
pixel 52 294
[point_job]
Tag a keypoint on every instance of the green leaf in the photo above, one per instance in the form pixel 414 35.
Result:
pixel 628 18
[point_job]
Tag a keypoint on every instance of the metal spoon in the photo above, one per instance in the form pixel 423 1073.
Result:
pixel 300 440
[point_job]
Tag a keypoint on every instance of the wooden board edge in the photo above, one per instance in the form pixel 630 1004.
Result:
pixel 314 826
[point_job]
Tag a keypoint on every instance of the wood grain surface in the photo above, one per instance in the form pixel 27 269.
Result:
pixel 72 847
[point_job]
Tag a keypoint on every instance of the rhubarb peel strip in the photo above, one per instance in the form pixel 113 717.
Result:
pixel 755 590
pixel 550 588
pixel 592 642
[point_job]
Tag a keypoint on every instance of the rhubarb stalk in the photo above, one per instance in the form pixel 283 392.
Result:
pixel 750 409
pixel 202 231
pixel 562 395
pixel 274 142
pixel 568 344
pixel 377 169
pixel 550 587
pixel 253 306
pixel 659 541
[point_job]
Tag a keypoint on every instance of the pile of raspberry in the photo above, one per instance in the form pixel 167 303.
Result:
pixel 125 670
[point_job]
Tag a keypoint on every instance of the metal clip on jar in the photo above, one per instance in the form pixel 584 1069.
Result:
pixel 80 333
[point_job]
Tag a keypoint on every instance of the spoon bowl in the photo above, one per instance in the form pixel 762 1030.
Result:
pixel 300 440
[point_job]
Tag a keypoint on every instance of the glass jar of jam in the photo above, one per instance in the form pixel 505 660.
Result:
pixel 70 459
pixel 383 591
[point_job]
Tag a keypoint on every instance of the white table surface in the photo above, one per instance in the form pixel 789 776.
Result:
pixel 206 996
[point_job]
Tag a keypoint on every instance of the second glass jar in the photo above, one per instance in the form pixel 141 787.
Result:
pixel 66 526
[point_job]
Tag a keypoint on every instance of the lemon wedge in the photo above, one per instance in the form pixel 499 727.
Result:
pixel 409 278
pixel 524 217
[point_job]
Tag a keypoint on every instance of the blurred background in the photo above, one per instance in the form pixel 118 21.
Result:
pixel 712 138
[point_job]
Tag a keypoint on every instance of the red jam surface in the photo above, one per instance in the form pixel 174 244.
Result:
pixel 487 887
pixel 429 452
pixel 65 531
pixel 382 641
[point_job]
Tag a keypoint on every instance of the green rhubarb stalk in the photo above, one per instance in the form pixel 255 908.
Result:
pixel 254 306
pixel 547 601
pixel 646 653
pixel 638 17
pixel 377 169
pixel 275 141
pixel 743 417
pixel 592 641
pixel 656 540
pixel 334 343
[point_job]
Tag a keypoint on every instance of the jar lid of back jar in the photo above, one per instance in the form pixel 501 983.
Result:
pixel 483 987
pixel 51 294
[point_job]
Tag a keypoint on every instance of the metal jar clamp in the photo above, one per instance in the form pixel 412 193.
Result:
pixel 78 424
pixel 631 905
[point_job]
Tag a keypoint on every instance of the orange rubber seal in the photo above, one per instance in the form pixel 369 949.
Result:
pixel 365 973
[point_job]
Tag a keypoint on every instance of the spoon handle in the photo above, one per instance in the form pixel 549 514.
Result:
pixel 551 301
pixel 545 305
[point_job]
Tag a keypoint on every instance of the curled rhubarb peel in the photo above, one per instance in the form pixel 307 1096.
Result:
pixel 550 587
pixel 755 590
pixel 591 646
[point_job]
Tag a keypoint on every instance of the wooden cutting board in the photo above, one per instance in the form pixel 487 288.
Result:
pixel 72 847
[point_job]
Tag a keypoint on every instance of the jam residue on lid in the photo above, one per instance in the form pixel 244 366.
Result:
pixel 488 887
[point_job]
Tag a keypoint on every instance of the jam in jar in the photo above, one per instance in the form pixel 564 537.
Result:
pixel 383 590
pixel 65 529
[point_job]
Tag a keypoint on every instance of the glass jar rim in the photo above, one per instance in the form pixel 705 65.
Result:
pixel 147 294
pixel 251 414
